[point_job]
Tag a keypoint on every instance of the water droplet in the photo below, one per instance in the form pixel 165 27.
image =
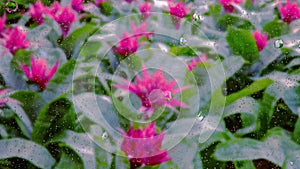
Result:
pixel 11 6
pixel 182 41
pixel 104 136
pixel 278 43
pixel 168 95
pixel 200 116
pixel 197 17
pixel 291 163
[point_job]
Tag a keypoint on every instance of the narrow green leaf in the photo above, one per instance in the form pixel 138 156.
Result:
pixel 276 28
pixel 36 154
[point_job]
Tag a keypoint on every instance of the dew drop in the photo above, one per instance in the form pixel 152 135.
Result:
pixel 182 41
pixel 11 6
pixel 104 136
pixel 200 116
pixel 168 95
pixel 291 163
pixel 278 43
pixel 196 17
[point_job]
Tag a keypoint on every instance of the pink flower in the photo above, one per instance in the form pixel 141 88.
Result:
pixel 140 30
pixel 127 46
pixel 36 12
pixel 227 4
pixel 195 62
pixel 261 39
pixel 289 12
pixel 4 99
pixel 145 8
pixel 2 23
pixel 153 91
pixel 98 2
pixel 40 73
pixel 129 1
pixel 64 16
pixel 143 146
pixel 77 5
pixel 178 11
pixel 15 39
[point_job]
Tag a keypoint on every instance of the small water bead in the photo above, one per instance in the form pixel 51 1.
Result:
pixel 200 116
pixel 291 163
pixel 168 95
pixel 11 6
pixel 104 136
pixel 197 17
pixel 278 43
pixel 182 41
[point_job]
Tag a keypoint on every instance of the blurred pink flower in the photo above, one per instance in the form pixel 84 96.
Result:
pixel 143 146
pixel 178 11
pixel 64 16
pixel 127 45
pixel 36 12
pixel 152 91
pixel 98 2
pixel 261 39
pixel 145 8
pixel 227 4
pixel 2 23
pixel 4 99
pixel 77 5
pixel 195 62
pixel 129 1
pixel 40 73
pixel 289 12
pixel 140 30
pixel 15 39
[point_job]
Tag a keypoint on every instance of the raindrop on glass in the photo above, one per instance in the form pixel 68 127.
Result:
pixel 278 43
pixel 291 163
pixel 168 95
pixel 200 116
pixel 11 6
pixel 182 41
pixel 104 136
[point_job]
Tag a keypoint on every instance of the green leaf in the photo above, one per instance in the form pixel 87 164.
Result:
pixel 54 118
pixel 22 57
pixel 242 43
pixel 276 28
pixel 106 8
pixel 228 20
pixel 69 160
pixel 292 99
pixel 32 102
pixel 296 132
pixel 253 88
pixel 73 42
pixel 79 143
pixel 182 51
pixel 36 154
pixel 275 147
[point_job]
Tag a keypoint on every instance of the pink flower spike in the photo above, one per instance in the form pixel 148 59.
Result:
pixel 140 30
pixel 4 99
pixel 143 146
pixel 15 39
pixel 2 23
pixel 289 12
pixel 36 12
pixel 152 90
pixel 127 45
pixel 77 5
pixel 64 17
pixel 227 4
pixel 261 39
pixel 40 73
pixel 195 62
pixel 145 8
pixel 178 11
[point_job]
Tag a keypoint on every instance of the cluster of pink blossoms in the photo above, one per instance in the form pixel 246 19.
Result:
pixel 178 11
pixel 261 39
pixel 64 16
pixel 227 4
pixel 289 12
pixel 13 38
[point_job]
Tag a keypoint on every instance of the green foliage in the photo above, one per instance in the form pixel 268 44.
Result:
pixel 276 28
pixel 242 43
